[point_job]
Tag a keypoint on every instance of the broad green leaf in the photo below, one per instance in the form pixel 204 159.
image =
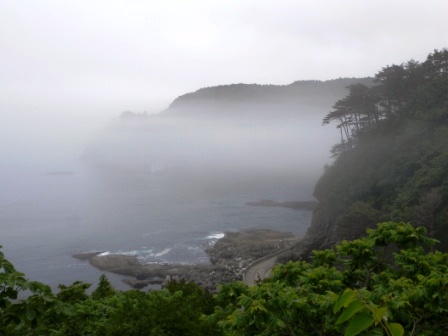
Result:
pixel 280 323
pixel 395 329
pixel 359 323
pixel 379 314
pixel 345 299
pixel 375 332
pixel 351 310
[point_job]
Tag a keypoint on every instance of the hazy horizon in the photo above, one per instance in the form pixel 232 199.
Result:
pixel 69 68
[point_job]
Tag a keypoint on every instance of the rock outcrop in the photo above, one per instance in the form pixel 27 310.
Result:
pixel 229 257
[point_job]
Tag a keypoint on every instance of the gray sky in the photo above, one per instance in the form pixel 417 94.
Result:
pixel 72 60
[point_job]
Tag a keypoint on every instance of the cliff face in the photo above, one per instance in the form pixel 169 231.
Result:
pixel 393 162
pixel 321 231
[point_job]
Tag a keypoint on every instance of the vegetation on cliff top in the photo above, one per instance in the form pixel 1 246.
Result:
pixel 392 161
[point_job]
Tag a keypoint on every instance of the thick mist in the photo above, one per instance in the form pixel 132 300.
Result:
pixel 156 186
pixel 44 139
pixel 215 147
pixel 160 186
pixel 76 177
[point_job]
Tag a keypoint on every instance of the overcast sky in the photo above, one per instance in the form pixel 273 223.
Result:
pixel 86 58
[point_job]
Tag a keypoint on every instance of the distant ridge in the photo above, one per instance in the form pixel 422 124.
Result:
pixel 288 97
pixel 239 127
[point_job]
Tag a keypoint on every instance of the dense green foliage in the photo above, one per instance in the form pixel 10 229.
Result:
pixel 392 161
pixel 382 284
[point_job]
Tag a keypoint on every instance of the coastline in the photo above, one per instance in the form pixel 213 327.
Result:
pixel 229 257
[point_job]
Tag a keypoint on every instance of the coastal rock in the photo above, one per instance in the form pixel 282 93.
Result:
pixel 87 255
pixel 229 257
pixel 238 249
pixel 113 261
pixel 137 284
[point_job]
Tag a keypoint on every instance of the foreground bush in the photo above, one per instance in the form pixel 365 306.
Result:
pixel 384 284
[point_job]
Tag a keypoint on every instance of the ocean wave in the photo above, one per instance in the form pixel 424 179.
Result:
pixel 178 253
pixel 218 235
pixel 194 248
pixel 161 253
pixel 127 253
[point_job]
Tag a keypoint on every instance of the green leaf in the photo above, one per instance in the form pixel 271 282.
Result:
pixel 379 314
pixel 395 329
pixel 351 310
pixel 345 299
pixel 375 332
pixel 30 314
pixel 359 323
pixel 280 323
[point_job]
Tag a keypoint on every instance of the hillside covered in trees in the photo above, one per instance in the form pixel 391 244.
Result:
pixel 392 160
pixel 298 99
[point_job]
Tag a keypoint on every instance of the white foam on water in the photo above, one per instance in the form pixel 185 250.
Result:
pixel 126 253
pixel 218 235
pixel 162 253
pixel 194 248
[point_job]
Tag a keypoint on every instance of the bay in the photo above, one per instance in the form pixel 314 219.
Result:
pixel 160 215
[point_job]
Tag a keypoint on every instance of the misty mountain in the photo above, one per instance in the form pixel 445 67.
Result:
pixel 243 129
pixel 297 99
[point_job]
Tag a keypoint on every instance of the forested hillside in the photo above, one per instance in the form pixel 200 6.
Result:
pixel 297 99
pixel 392 160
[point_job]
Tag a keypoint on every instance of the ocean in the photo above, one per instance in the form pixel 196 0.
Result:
pixel 156 214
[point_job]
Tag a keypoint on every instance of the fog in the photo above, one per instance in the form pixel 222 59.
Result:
pixel 154 185
pixel 213 144
pixel 247 145
pixel 36 138
pixel 69 68
pixel 76 176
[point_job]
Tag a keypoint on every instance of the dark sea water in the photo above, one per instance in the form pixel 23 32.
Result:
pixel 158 215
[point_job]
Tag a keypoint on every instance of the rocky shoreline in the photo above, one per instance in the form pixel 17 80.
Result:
pixel 229 257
